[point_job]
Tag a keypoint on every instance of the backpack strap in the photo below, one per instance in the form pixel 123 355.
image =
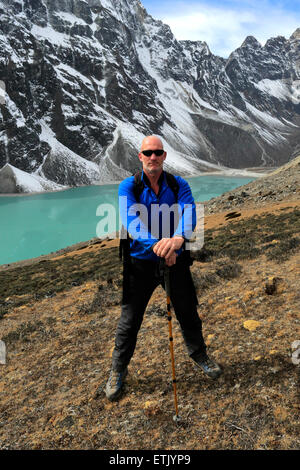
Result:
pixel 173 184
pixel 139 185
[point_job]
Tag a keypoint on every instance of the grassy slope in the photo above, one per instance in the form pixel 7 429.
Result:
pixel 58 319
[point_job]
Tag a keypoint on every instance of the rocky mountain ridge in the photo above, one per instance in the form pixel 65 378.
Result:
pixel 83 81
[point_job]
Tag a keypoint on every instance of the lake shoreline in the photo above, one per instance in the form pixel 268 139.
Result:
pixel 243 173
pixel 212 220
pixel 60 215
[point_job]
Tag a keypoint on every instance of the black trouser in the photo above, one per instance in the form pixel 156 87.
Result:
pixel 141 278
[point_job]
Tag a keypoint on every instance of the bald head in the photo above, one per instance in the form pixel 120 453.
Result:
pixel 152 164
pixel 152 141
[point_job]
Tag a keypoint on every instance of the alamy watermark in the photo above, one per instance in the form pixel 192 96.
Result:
pixel 2 92
pixel 163 221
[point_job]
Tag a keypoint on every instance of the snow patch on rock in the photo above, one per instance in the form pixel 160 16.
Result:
pixel 64 166
pixel 13 180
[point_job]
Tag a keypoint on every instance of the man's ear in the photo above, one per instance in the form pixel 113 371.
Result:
pixel 140 156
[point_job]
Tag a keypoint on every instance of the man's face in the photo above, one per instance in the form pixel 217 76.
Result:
pixel 154 163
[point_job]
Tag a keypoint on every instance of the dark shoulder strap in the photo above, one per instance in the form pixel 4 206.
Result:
pixel 173 184
pixel 138 185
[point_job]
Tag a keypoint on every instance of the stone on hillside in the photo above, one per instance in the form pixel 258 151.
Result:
pixel 2 352
pixel 232 215
pixel 274 285
pixel 251 325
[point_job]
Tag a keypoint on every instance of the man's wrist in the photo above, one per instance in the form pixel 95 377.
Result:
pixel 180 241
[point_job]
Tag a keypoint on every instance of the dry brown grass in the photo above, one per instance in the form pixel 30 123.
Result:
pixel 58 321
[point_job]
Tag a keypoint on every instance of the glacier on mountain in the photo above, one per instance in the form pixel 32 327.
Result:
pixel 86 80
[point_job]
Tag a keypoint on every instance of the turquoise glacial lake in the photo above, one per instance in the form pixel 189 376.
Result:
pixel 38 224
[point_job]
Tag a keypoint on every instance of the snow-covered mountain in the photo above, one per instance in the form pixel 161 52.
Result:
pixel 83 81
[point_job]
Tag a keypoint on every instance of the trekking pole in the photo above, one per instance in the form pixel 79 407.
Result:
pixel 176 418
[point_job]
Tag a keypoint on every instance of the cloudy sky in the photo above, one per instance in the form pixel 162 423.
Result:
pixel 224 24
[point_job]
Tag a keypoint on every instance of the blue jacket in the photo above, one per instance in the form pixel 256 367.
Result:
pixel 150 219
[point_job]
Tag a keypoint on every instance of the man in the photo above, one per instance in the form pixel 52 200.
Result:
pixel 143 275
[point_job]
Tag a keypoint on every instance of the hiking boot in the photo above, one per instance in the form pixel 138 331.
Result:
pixel 209 367
pixel 115 384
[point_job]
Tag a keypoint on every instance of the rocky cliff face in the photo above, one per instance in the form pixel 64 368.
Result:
pixel 82 81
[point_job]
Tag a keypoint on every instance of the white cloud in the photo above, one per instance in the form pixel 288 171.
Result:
pixel 225 28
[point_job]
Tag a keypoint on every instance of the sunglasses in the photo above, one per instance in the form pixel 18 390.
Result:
pixel 148 153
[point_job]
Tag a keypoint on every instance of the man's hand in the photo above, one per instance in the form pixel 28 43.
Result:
pixel 171 260
pixel 166 248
